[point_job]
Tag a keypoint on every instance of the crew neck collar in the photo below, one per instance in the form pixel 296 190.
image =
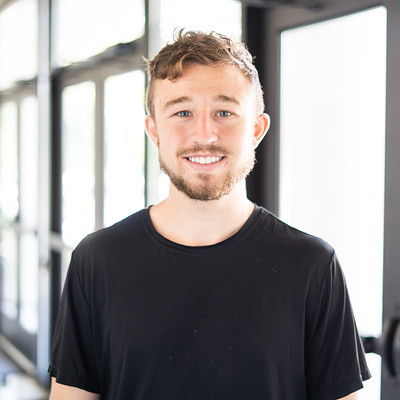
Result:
pixel 217 247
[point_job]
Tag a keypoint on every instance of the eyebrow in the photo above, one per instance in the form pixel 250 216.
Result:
pixel 222 98
pixel 227 99
pixel 177 100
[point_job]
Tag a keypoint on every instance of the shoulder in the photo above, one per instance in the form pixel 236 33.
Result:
pixel 111 244
pixel 108 253
pixel 125 230
pixel 295 243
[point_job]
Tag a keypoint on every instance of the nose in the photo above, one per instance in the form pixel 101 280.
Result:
pixel 204 130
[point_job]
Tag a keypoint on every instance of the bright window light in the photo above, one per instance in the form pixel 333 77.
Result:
pixel 78 175
pixel 9 199
pixel 332 150
pixel 86 28
pixel 223 16
pixel 124 145
pixel 18 42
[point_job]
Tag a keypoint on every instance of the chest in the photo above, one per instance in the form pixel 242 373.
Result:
pixel 170 306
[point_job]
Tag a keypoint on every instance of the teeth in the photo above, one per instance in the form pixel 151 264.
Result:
pixel 204 160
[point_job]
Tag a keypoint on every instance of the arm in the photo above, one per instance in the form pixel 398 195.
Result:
pixel 353 396
pixel 63 392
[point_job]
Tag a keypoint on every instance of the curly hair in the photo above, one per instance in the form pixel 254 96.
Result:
pixel 195 47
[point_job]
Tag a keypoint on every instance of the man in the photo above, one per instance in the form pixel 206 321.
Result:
pixel 205 295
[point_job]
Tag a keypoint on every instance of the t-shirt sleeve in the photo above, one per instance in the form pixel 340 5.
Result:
pixel 335 360
pixel 73 360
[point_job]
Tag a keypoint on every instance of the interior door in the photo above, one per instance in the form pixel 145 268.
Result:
pixel 331 163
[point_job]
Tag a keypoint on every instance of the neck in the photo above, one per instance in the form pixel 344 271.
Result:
pixel 201 223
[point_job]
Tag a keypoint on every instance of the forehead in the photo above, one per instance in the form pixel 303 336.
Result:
pixel 217 82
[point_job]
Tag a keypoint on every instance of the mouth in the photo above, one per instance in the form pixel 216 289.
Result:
pixel 204 160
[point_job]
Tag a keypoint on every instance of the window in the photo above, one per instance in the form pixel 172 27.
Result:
pixel 29 195
pixel 91 147
pixel 9 203
pixel 18 42
pixel 78 162
pixel 9 206
pixel 18 211
pixel 124 146
pixel 224 16
pixel 332 150
pixel 86 28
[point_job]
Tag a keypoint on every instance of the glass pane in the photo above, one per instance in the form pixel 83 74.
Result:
pixel 9 272
pixel 223 16
pixel 29 282
pixel 18 42
pixel 78 167
pixel 29 163
pixel 86 28
pixel 333 150
pixel 124 145
pixel 29 183
pixel 9 161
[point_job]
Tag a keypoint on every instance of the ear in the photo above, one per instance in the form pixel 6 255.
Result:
pixel 261 127
pixel 151 129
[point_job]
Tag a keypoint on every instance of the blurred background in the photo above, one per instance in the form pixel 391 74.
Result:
pixel 74 156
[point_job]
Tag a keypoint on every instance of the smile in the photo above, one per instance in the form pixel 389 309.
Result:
pixel 204 160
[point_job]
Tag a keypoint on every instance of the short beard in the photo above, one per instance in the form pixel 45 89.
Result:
pixel 206 190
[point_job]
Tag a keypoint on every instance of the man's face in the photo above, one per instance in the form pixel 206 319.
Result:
pixel 206 129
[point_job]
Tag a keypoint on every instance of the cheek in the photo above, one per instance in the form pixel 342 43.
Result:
pixel 167 145
pixel 174 137
pixel 246 139
pixel 247 147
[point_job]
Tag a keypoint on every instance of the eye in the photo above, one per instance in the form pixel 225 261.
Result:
pixel 224 113
pixel 183 114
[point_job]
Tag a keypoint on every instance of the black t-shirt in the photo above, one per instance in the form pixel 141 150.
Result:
pixel 263 315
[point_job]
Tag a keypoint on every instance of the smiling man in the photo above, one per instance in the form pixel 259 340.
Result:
pixel 205 295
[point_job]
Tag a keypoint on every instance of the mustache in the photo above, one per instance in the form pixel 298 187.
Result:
pixel 211 149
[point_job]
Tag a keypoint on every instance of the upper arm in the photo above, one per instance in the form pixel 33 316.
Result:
pixel 73 352
pixel 64 392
